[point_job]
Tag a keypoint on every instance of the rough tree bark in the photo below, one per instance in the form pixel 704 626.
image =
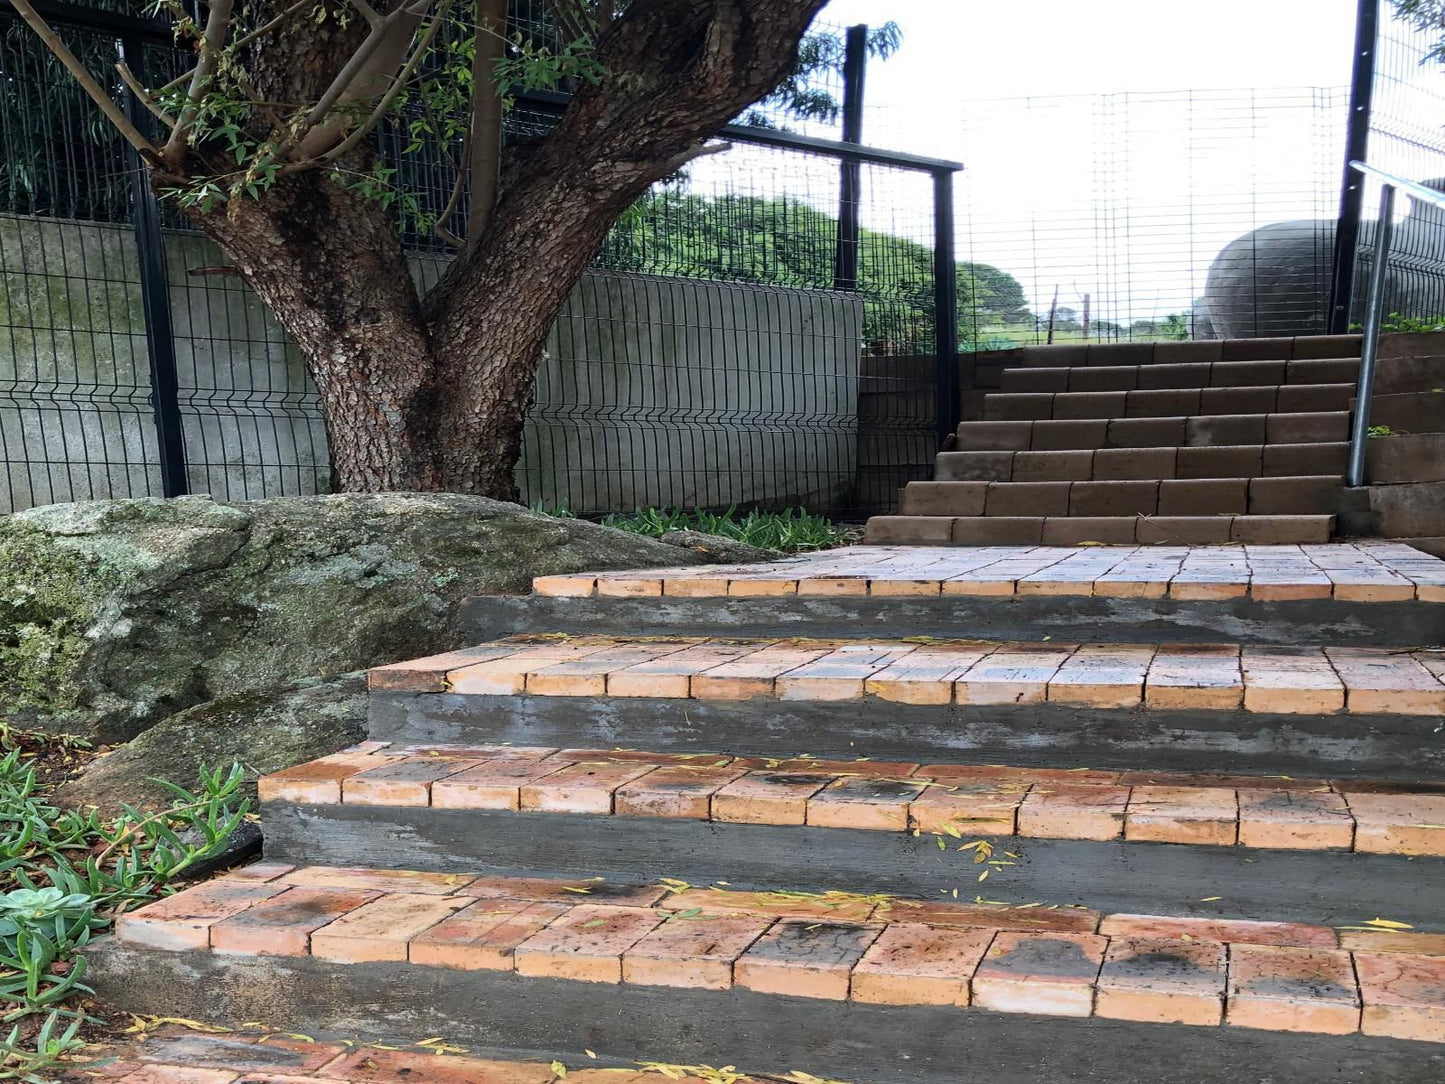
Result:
pixel 433 394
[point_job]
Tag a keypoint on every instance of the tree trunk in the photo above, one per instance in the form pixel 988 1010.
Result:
pixel 329 266
pixel 435 396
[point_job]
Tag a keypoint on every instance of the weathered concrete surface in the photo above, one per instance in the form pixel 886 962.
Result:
pixel 1070 618
pixel 1409 510
pixel 1049 734
pixel 1405 458
pixel 117 614
pixel 264 731
pixel 1324 887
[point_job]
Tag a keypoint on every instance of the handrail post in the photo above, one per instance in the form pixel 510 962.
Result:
pixel 855 65
pixel 1370 339
pixel 1352 186
pixel 945 304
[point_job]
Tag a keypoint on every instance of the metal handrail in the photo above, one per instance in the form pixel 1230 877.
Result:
pixel 1375 305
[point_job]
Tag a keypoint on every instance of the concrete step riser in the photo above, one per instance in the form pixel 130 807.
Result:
pixel 1228 374
pixel 1047 734
pixel 1210 402
pixel 1207 351
pixel 1072 618
pixel 1047 435
pixel 1317 887
pixel 1070 530
pixel 1126 464
pixel 1316 495
pixel 843 1039
pixel 1408 412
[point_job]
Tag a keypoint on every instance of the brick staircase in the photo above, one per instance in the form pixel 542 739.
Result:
pixel 1178 820
pixel 1197 442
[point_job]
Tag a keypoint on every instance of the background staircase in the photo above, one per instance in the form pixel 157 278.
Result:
pixel 1076 850
pixel 1194 442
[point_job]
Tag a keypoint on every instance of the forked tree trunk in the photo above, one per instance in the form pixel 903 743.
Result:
pixel 329 266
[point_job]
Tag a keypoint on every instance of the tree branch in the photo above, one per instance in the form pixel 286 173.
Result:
pixel 369 13
pixel 485 159
pixel 217 21
pixel 573 17
pixel 384 102
pixel 702 150
pixel 370 60
pixel 142 95
pixel 113 112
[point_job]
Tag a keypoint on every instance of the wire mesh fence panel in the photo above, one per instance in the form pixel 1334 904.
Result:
pixel 1206 213
pixel 1407 138
pixel 75 412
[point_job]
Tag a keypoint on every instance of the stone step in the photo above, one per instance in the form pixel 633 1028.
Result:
pixel 1074 355
pixel 1125 841
pixel 1070 530
pixel 1343 593
pixel 1168 402
pixel 1203 374
pixel 1184 431
pixel 1277 496
pixel 1326 711
pixel 629 971
pixel 1212 461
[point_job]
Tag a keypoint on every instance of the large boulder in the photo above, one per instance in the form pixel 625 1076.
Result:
pixel 117 614
pixel 264 732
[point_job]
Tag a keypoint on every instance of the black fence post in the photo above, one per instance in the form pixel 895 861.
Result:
pixel 855 65
pixel 155 299
pixel 1352 187
pixel 945 304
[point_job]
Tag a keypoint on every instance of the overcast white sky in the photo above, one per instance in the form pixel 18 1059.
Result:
pixel 1061 171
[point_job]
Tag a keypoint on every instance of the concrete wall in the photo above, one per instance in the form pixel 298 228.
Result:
pixel 654 391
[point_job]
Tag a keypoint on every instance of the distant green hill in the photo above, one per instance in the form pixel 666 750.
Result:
pixel 785 242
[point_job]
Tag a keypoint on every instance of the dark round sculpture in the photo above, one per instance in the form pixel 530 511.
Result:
pixel 1275 280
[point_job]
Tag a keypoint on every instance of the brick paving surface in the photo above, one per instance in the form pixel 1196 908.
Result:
pixel 835 946
pixel 1365 571
pixel 175 1055
pixel 1047 803
pixel 1165 677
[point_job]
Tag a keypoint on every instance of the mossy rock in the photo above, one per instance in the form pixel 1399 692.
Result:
pixel 264 732
pixel 117 614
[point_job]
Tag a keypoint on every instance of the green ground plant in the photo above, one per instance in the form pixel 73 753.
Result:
pixel 793 530
pixel 64 876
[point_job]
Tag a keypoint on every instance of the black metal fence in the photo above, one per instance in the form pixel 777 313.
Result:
pixel 1399 100
pixel 767 329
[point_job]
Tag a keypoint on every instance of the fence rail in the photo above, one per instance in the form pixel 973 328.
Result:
pixel 707 359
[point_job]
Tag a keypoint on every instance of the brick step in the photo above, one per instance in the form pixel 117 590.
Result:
pixel 1075 355
pixel 1123 841
pixel 1069 530
pixel 1321 711
pixel 1122 464
pixel 254 1054
pixel 1167 403
pixel 1196 375
pixel 1277 496
pixel 1184 431
pixel 631 971
pixel 1344 593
